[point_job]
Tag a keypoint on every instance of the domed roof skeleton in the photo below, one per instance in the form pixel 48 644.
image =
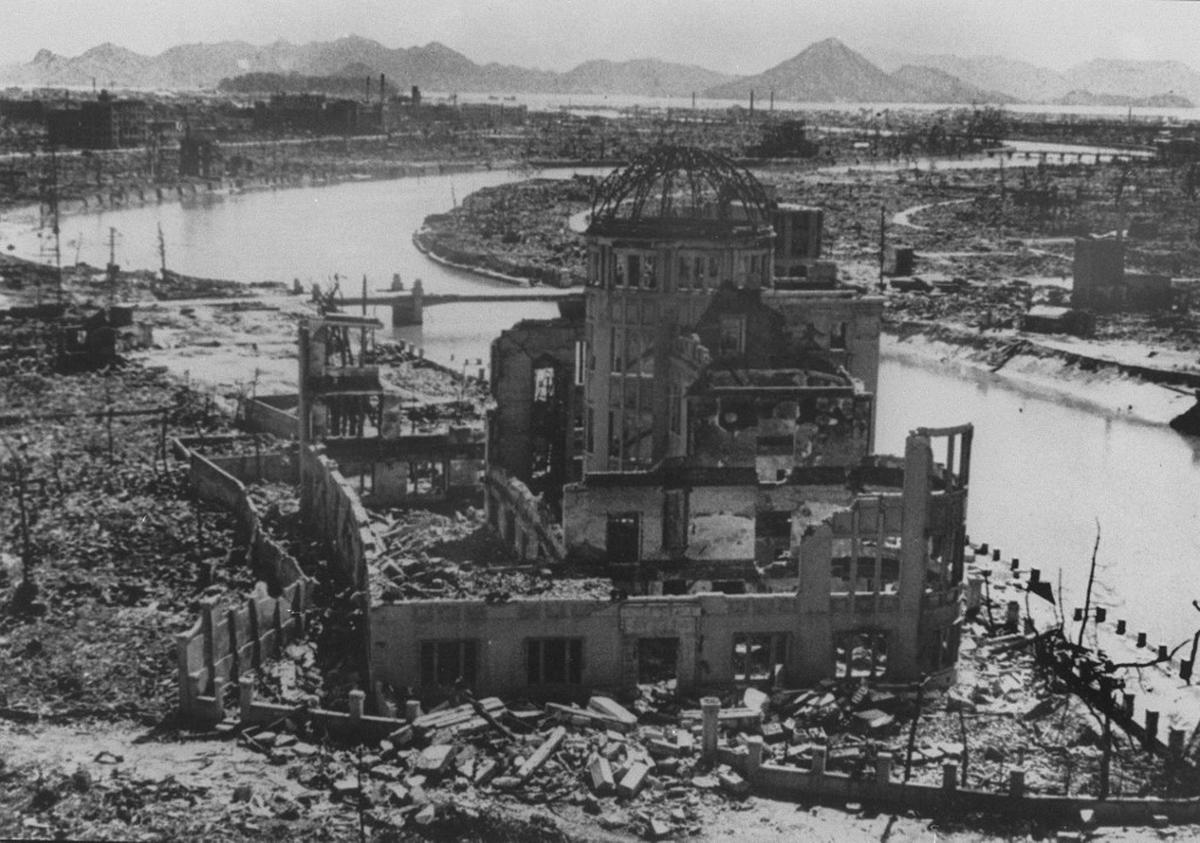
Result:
pixel 652 178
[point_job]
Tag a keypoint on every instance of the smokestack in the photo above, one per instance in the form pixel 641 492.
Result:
pixel 367 90
pixel 382 95
pixel 772 99
pixel 752 102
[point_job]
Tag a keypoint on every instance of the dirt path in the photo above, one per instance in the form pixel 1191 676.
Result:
pixel 904 218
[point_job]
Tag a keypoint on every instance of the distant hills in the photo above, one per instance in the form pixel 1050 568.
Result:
pixel 827 71
pixel 1100 81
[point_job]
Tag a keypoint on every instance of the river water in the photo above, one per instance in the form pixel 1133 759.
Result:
pixel 1044 470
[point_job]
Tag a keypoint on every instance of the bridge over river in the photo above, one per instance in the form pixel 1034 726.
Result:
pixel 408 307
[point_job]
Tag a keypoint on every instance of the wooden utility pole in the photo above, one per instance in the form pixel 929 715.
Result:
pixel 912 730
pixel 882 244
pixel 1087 600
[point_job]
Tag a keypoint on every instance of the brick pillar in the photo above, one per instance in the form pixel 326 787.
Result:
pixel 710 709
pixel 754 748
pixel 883 768
pixel 245 697
pixel 818 761
pixel 1016 781
pixel 949 776
pixel 1151 727
pixel 357 700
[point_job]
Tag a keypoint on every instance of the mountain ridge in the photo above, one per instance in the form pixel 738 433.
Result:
pixel 825 71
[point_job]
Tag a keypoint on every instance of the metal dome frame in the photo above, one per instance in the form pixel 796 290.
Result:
pixel 647 187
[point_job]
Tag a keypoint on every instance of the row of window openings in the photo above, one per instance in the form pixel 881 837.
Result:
pixel 559 661
pixel 641 424
pixel 631 353
pixel 698 272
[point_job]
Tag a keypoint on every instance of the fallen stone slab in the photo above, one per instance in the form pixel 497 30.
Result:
pixel 658 830
pixel 435 760
pixel 601 775
pixel 612 709
pixel 541 753
pixel 634 779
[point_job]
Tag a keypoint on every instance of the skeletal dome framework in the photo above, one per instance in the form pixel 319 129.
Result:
pixel 680 183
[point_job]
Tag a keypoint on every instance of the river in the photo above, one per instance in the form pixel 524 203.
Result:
pixel 1044 470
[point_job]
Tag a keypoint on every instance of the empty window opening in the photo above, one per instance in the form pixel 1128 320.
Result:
pixel 623 536
pixel 837 336
pixel 683 279
pixel 543 384
pixel 729 586
pixel 675 520
pixel 861 654
pixel 581 356
pixel 758 656
pixel 633 269
pixel 658 659
pixel 733 335
pixel 427 478
pixel 447 663
pixel 863 581
pixel 674 587
pixel 554 661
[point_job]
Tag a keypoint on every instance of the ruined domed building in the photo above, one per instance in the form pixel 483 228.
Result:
pixel 701 431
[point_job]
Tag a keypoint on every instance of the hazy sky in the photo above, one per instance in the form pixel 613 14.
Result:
pixel 733 36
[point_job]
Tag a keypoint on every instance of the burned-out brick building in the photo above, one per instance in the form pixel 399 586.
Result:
pixel 714 424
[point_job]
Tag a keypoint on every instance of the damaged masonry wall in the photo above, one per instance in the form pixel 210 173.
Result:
pixel 562 646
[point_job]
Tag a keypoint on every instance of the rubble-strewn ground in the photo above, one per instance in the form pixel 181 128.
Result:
pixel 119 553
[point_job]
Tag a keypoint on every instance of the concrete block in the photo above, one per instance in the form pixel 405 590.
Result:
pixel 686 742
pixel 601 775
pixel 435 760
pixel 732 783
pixel 633 781
pixel 661 748
pixel 772 732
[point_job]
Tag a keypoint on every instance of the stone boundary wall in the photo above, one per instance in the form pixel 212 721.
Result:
pixel 230 638
pixel 354 723
pixel 332 510
pixel 523 521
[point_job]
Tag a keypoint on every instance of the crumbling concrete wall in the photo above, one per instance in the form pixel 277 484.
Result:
pixel 274 414
pixel 524 522
pixel 531 431
pixel 705 629
pixel 703 625
pixel 331 508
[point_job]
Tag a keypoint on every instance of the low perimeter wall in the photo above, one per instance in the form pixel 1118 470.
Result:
pixel 233 637
pixel 878 787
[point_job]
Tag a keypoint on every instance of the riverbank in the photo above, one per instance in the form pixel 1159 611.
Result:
pixel 1038 371
pixel 516 231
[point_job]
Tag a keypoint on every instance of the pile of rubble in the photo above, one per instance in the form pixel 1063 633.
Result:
pixel 430 556
pixel 648 779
